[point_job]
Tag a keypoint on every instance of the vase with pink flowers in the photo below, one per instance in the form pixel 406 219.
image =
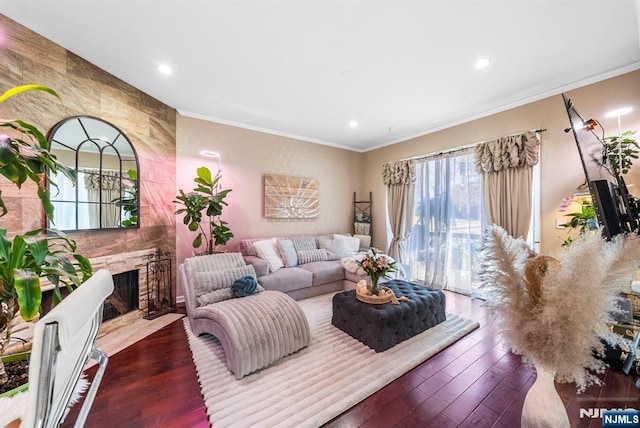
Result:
pixel 376 265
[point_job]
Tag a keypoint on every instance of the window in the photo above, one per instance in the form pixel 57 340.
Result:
pixel 448 222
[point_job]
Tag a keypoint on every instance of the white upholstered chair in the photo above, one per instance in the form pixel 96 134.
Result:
pixel 63 342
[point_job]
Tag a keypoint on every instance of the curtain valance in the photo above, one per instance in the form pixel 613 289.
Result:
pixel 513 151
pixel 110 180
pixel 399 172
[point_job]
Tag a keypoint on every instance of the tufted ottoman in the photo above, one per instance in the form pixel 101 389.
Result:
pixel 381 327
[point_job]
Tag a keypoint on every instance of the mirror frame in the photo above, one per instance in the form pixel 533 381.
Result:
pixel 101 146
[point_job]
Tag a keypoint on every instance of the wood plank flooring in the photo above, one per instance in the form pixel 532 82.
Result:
pixel 474 382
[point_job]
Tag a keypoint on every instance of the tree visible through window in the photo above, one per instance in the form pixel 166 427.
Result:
pixel 448 222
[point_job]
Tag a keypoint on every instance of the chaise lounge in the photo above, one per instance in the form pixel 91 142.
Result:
pixel 256 330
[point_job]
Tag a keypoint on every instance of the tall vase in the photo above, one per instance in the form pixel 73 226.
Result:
pixel 543 406
pixel 375 289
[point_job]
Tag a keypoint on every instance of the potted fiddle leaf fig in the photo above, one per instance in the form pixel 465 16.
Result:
pixel 583 220
pixel 128 202
pixel 27 257
pixel 202 209
pixel 619 152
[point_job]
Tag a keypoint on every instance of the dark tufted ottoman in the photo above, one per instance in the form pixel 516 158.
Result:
pixel 381 327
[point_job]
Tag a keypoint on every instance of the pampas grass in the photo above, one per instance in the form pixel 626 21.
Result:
pixel 554 312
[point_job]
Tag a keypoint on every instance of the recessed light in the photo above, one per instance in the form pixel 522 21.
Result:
pixel 209 154
pixel 619 112
pixel 165 69
pixel 353 124
pixel 482 63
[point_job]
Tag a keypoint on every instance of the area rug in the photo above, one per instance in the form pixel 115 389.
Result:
pixel 319 382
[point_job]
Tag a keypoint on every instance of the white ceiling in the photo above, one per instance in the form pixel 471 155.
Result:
pixel 307 68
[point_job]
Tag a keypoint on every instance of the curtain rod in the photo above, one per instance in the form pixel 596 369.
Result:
pixel 468 146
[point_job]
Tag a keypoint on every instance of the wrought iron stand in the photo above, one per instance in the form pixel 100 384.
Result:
pixel 159 287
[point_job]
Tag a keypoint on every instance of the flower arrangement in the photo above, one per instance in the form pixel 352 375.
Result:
pixel 376 265
pixel 554 311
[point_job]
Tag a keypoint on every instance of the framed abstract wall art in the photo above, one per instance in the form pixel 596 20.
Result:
pixel 288 197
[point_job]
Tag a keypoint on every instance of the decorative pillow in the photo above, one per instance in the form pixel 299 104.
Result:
pixel 365 240
pixel 301 243
pixel 211 262
pixel 336 248
pixel 207 282
pixel 214 296
pixel 287 252
pixel 245 286
pixel 352 243
pixel 308 256
pixel 267 251
pixel 220 295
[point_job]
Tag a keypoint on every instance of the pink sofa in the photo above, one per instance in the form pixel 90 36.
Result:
pixel 303 280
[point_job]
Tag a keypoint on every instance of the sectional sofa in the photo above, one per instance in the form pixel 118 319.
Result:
pixel 306 265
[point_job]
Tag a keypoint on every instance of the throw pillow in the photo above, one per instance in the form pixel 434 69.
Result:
pixel 309 256
pixel 245 286
pixel 268 252
pixel 214 296
pixel 365 240
pixel 287 252
pixel 336 248
pixel 301 243
pixel 352 243
pixel 211 262
pixel 204 282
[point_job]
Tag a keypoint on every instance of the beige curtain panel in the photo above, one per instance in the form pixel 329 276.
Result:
pixel 506 165
pixel 399 177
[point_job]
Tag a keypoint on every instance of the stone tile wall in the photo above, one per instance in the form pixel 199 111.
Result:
pixel 84 89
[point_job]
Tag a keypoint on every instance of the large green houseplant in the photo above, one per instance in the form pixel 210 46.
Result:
pixel 619 152
pixel 583 220
pixel 208 199
pixel 27 257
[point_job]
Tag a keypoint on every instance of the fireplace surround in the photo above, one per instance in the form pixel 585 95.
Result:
pixel 125 262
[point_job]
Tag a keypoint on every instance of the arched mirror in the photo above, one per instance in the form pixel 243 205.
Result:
pixel 106 194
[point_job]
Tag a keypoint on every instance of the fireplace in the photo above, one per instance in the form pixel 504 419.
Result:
pixel 156 288
pixel 125 296
pixel 133 261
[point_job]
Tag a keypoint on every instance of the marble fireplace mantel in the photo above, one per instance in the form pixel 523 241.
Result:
pixel 125 262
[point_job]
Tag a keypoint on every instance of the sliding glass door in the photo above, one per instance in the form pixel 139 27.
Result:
pixel 448 222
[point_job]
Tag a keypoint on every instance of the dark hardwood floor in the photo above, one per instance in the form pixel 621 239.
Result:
pixel 474 382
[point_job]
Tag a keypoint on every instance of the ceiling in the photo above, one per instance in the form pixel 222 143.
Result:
pixel 307 68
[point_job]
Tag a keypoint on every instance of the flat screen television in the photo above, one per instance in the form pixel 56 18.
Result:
pixel 616 210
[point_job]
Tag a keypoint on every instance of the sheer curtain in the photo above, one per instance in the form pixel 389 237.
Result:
pixel 102 211
pixel 448 221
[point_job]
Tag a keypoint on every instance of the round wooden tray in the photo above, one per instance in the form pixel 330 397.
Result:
pixel 385 296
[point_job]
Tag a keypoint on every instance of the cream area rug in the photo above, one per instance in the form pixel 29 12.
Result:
pixel 319 382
